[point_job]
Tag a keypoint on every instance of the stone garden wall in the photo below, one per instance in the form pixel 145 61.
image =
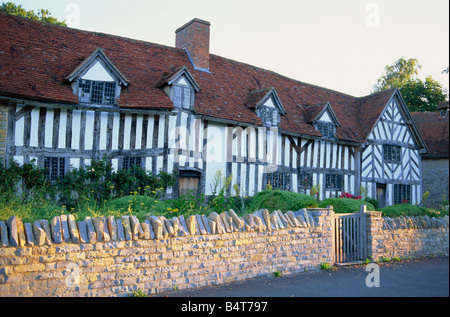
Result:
pixel 405 237
pixel 115 257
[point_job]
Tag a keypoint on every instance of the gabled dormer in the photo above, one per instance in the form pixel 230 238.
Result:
pixel 267 105
pixel 181 88
pixel 323 119
pixel 97 81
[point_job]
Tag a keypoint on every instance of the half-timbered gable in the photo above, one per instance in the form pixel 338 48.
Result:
pixel 391 164
pixel 182 109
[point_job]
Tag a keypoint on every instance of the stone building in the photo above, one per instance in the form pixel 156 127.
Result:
pixel 434 128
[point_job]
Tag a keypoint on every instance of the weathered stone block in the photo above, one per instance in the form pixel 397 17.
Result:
pixel 29 234
pixel 56 230
pixel 46 227
pixel 65 228
pixel 157 226
pixel 13 231
pixel 82 231
pixel 112 228
pixel 73 228
pixel 91 233
pixel 127 228
pixel 4 241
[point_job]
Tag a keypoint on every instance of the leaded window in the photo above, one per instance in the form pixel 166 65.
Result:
pixel 269 116
pixel 392 153
pixel 304 180
pixel 129 162
pixel 402 194
pixel 96 92
pixel 54 167
pixel 327 129
pixel 333 182
pixel 279 180
pixel 183 97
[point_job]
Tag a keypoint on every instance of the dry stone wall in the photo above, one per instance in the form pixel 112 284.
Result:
pixel 114 257
pixel 405 237
pixel 111 256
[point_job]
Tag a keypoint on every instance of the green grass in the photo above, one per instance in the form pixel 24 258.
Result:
pixel 140 205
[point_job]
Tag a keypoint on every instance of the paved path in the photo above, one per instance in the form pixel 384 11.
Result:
pixel 428 277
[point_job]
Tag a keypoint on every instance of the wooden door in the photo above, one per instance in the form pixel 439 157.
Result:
pixel 189 182
pixel 381 194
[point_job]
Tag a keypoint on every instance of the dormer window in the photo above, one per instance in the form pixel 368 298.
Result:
pixel 182 94
pixel 323 119
pixel 327 129
pixel 269 116
pixel 96 92
pixel 97 81
pixel 267 105
pixel 181 88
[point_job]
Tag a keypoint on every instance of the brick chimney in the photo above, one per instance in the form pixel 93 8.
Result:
pixel 194 38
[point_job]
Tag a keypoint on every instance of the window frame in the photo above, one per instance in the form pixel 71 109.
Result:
pixel 279 180
pixel 392 153
pixel 54 167
pixel 181 103
pixel 267 116
pixel 104 89
pixel 127 163
pixel 334 179
pixel 304 180
pixel 401 192
pixel 326 129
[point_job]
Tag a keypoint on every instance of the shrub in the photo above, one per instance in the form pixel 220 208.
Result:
pixel 138 206
pixel 282 200
pixel 374 202
pixel 412 211
pixel 345 205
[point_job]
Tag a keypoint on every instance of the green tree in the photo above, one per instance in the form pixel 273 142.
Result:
pixel 419 95
pixel 43 15
pixel 423 95
pixel 395 75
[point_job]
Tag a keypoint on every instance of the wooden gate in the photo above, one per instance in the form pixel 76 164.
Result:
pixel 350 237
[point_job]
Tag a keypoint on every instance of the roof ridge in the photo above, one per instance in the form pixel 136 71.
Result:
pixel 27 20
pixel 281 75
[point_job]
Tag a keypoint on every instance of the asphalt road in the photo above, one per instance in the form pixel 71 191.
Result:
pixel 427 277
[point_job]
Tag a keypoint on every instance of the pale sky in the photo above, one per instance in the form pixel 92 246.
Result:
pixel 341 45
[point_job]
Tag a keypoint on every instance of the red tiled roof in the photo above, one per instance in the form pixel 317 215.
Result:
pixel 434 130
pixel 35 59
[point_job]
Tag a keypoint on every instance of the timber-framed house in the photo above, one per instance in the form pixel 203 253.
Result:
pixel 69 96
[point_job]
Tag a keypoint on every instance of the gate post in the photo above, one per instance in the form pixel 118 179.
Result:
pixel 362 230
